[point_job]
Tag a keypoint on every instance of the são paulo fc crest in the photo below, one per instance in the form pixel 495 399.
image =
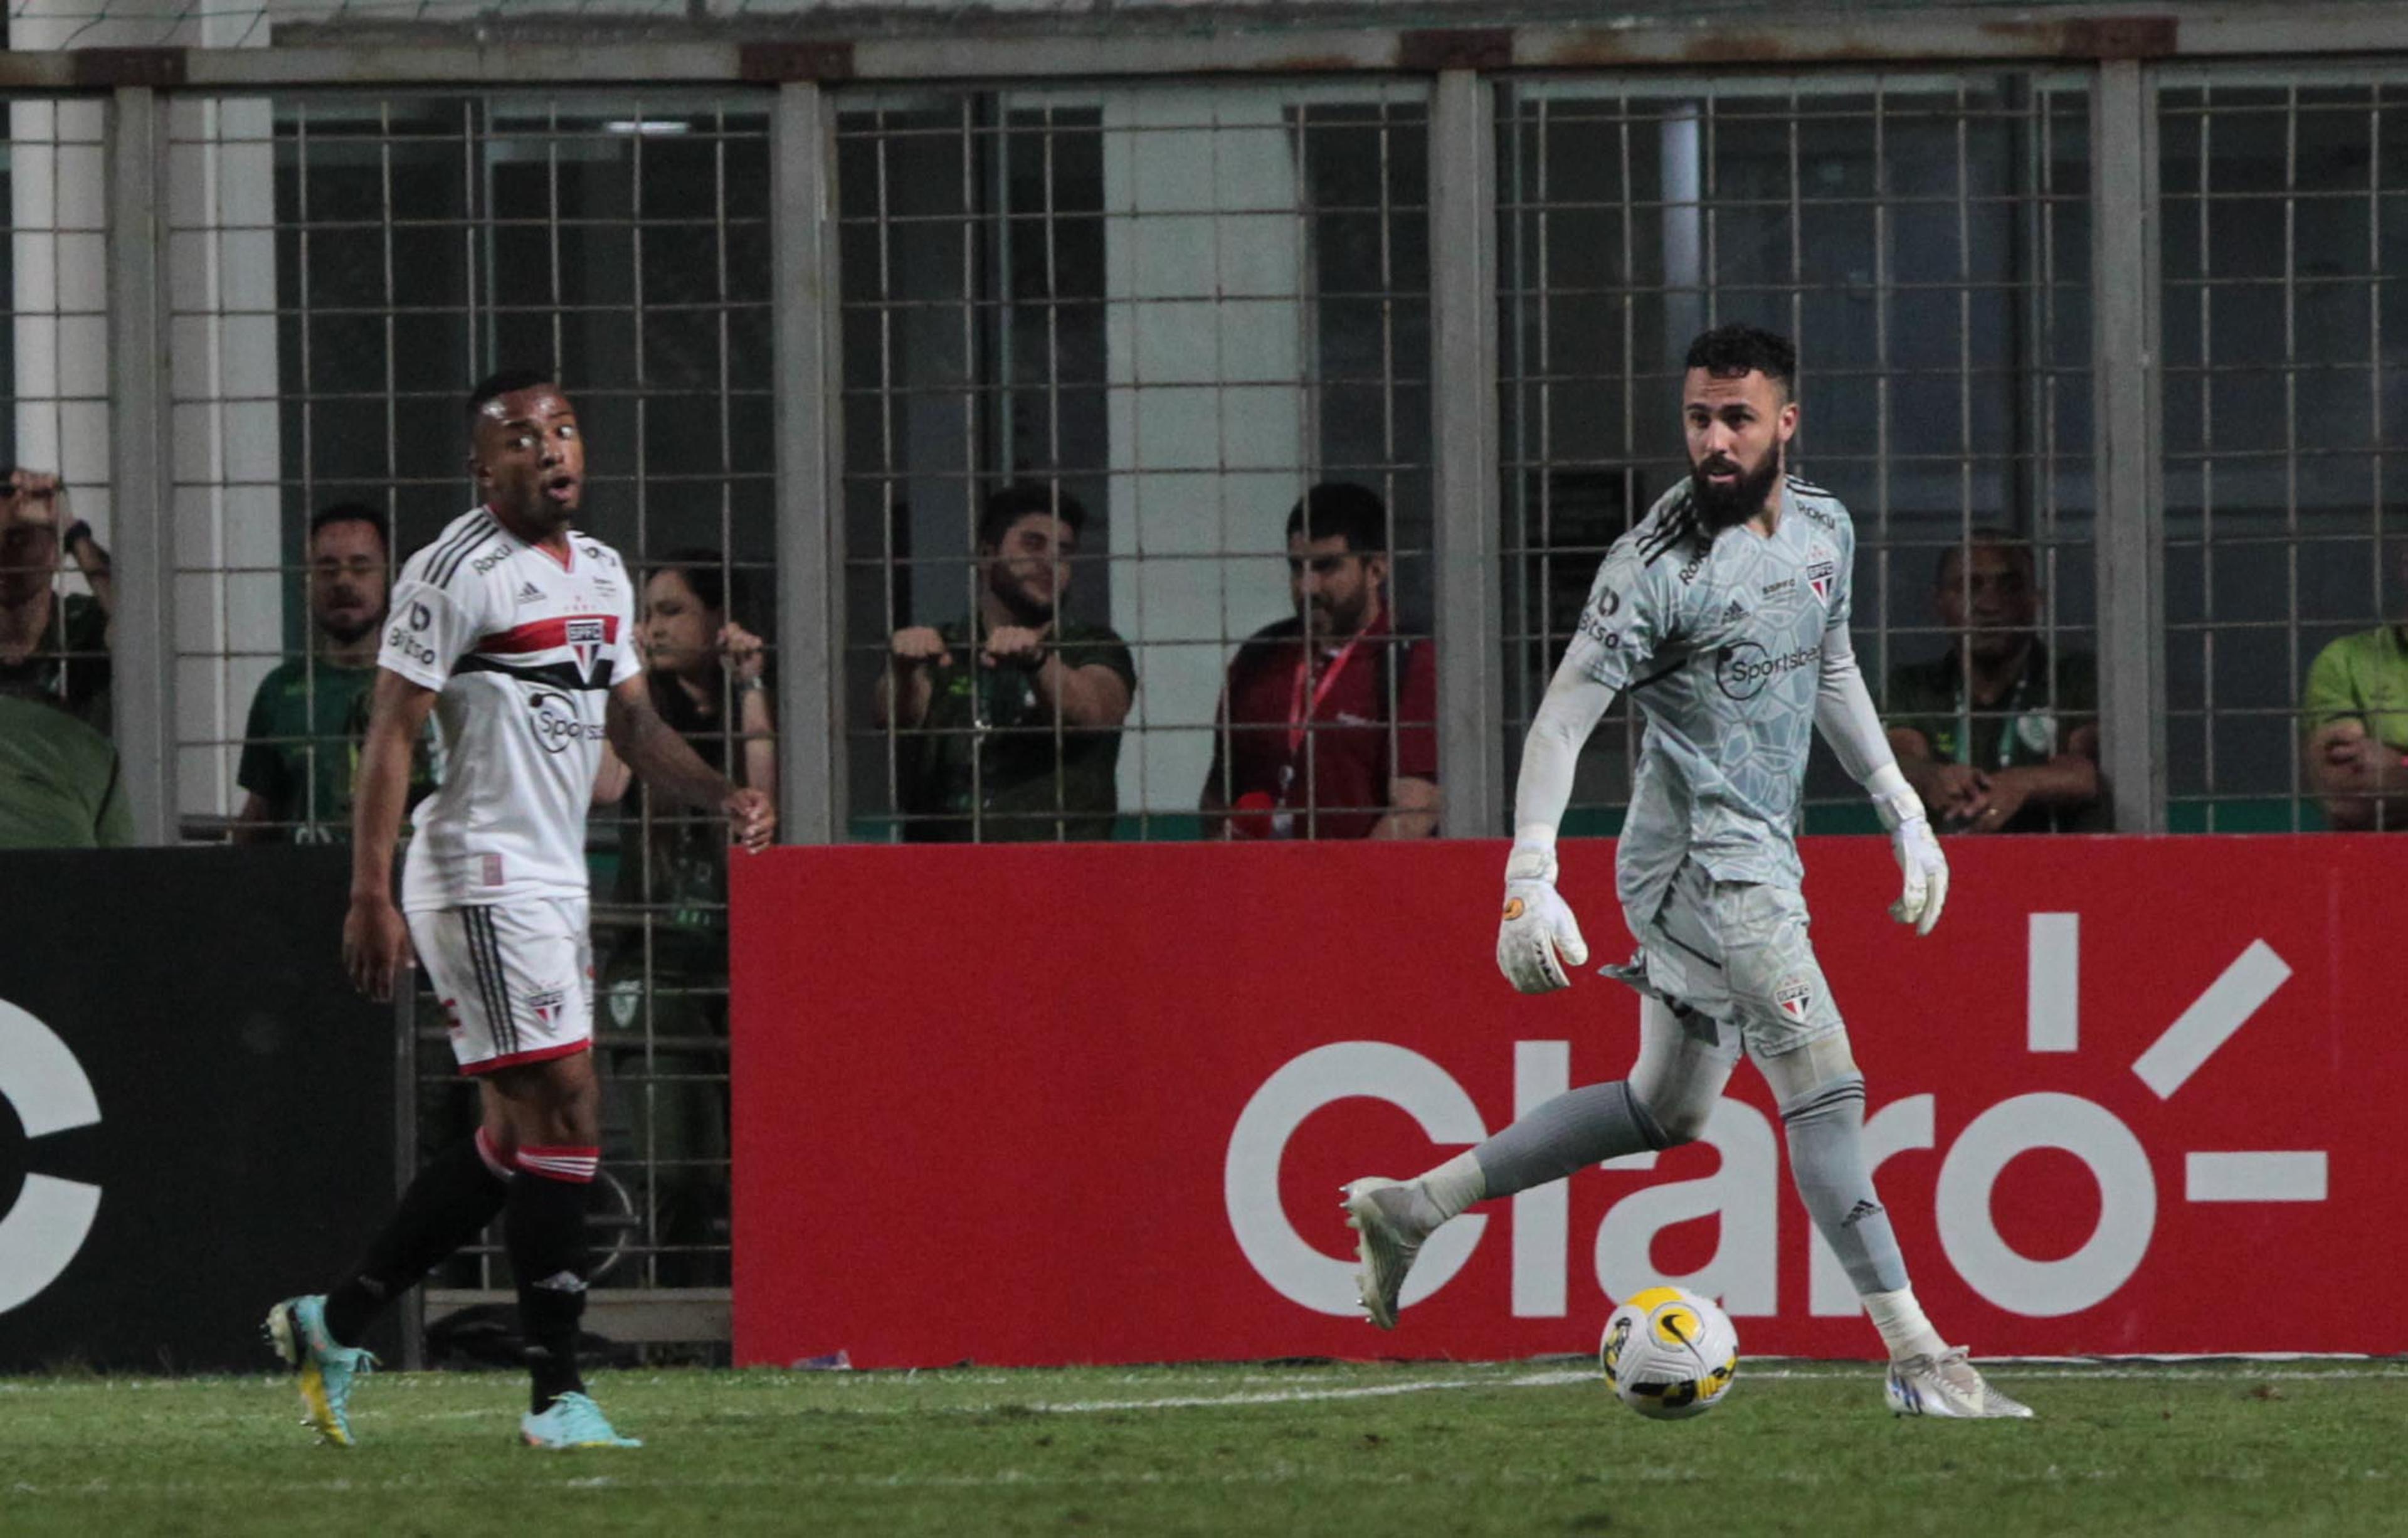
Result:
pixel 546 1006
pixel 1820 577
pixel 1793 997
pixel 584 638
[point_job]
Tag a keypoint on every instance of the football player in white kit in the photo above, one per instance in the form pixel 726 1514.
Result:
pixel 518 634
pixel 1724 615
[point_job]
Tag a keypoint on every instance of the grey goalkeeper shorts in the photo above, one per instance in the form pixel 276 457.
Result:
pixel 1737 953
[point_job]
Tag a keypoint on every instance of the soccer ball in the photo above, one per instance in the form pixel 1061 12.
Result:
pixel 1669 1354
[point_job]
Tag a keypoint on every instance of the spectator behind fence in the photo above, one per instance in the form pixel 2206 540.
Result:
pixel 52 645
pixel 664 1102
pixel 59 788
pixel 1327 721
pixel 1011 718
pixel 301 743
pixel 2000 735
pixel 2356 714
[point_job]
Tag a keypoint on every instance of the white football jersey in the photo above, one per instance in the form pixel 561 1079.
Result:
pixel 522 650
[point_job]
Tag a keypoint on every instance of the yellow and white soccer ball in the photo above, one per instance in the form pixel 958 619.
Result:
pixel 1669 1354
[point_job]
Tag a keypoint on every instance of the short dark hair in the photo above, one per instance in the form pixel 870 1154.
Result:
pixel 493 386
pixel 353 512
pixel 1346 511
pixel 1728 351
pixel 1010 504
pixel 1997 538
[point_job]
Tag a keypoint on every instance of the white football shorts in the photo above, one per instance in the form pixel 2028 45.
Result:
pixel 516 980
pixel 1736 953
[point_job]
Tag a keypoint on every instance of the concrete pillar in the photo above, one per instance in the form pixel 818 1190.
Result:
pixel 1206 345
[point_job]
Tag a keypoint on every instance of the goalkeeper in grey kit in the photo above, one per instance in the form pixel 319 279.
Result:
pixel 1724 615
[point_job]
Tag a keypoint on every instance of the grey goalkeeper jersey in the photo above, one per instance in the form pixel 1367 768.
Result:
pixel 1721 647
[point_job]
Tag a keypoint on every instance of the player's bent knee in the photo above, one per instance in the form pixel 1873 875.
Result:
pixel 1668 1120
pixel 1681 1124
pixel 1818 1064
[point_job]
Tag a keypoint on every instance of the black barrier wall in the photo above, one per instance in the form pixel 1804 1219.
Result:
pixel 195 1109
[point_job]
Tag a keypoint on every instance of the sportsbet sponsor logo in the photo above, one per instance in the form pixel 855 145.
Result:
pixel 1743 670
pixel 555 725
pixel 1746 1193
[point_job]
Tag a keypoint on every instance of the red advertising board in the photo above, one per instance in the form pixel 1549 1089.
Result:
pixel 1093 1105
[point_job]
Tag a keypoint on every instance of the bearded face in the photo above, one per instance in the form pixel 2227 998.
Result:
pixel 1739 426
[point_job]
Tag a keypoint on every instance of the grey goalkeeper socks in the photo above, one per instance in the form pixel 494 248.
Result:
pixel 1586 1125
pixel 1826 1159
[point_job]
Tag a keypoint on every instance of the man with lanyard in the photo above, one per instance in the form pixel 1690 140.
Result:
pixel 1326 726
pixel 2000 735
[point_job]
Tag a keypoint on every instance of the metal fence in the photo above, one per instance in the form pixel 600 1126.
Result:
pixel 2131 317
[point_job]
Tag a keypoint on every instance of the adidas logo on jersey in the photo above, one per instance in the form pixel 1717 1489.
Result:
pixel 529 592
pixel 1736 612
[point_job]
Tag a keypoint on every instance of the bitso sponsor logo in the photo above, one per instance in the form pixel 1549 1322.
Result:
pixel 410 646
pixel 1592 625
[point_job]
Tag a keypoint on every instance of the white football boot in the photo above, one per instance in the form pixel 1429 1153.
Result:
pixel 1387 1241
pixel 1947 1386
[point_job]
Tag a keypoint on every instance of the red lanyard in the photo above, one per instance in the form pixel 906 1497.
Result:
pixel 1299 712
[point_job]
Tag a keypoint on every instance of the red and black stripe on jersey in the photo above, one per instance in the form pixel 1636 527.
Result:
pixel 495 653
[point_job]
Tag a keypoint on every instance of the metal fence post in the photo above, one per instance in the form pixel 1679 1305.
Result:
pixel 411 1315
pixel 2129 447
pixel 142 632
pixel 810 496
pixel 1469 625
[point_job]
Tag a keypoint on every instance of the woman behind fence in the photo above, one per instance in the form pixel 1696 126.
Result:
pixel 668 965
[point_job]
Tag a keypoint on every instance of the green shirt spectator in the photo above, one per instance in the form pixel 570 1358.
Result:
pixel 71 668
pixel 2363 678
pixel 59 781
pixel 2356 710
pixel 1007 724
pixel 2001 734
pixel 2023 728
pixel 301 743
pixel 52 646
pixel 989 746
pixel 301 749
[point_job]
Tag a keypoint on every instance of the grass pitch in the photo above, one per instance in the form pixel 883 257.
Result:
pixel 1358 1450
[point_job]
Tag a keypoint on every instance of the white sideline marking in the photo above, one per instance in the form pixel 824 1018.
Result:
pixel 2211 1018
pixel 2295 1176
pixel 2053 983
pixel 1302 1396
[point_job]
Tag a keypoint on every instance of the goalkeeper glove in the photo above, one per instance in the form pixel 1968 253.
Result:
pixel 1537 926
pixel 1919 860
